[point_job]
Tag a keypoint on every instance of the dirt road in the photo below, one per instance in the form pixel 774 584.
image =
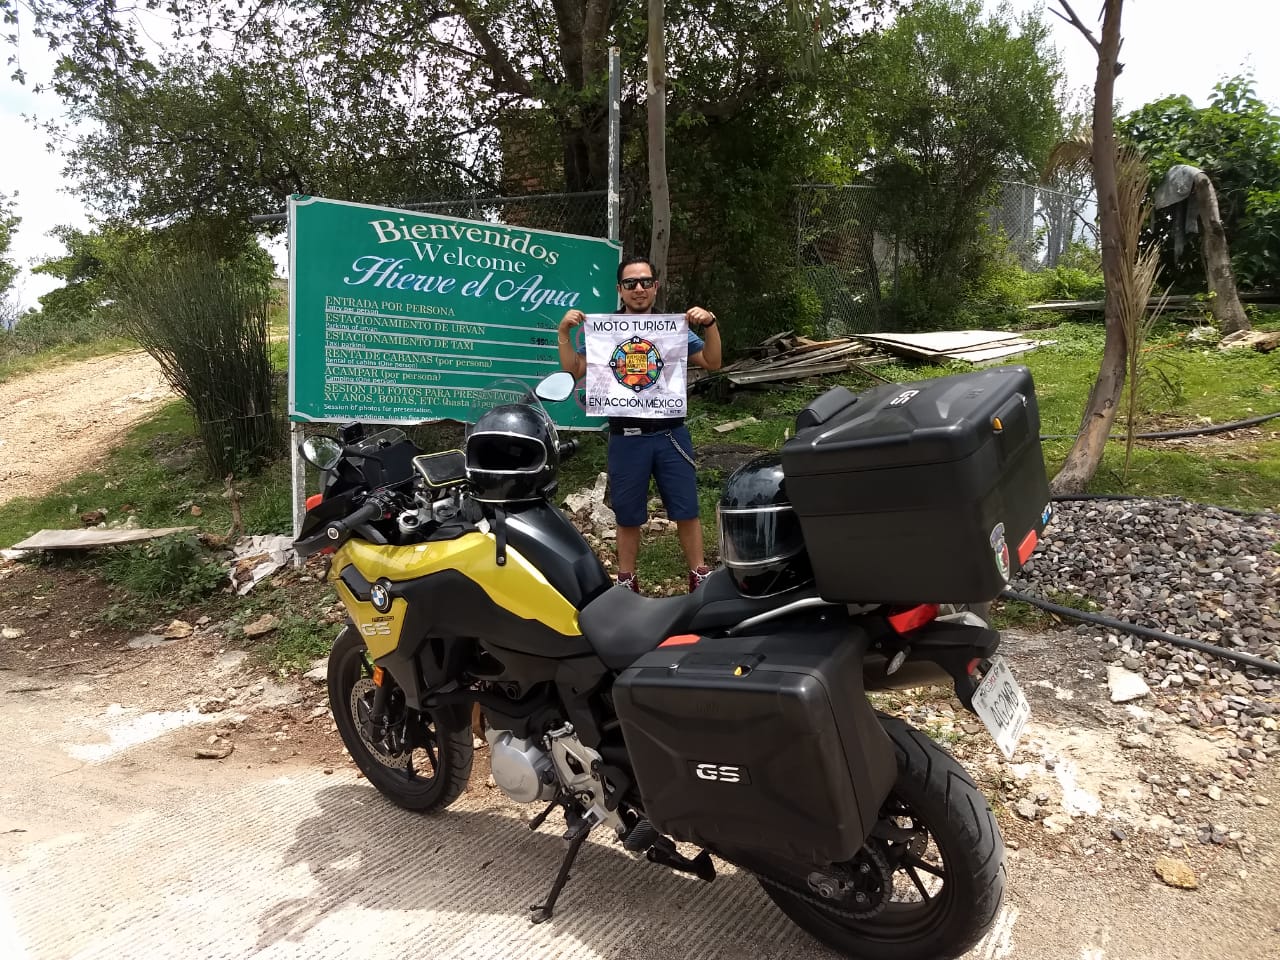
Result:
pixel 87 406
pixel 116 842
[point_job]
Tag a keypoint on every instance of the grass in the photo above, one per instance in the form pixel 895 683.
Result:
pixel 17 364
pixel 158 476
pixel 158 473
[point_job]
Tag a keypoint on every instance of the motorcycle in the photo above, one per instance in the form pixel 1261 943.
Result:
pixel 735 718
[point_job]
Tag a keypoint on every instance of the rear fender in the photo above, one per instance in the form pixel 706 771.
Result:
pixel 938 653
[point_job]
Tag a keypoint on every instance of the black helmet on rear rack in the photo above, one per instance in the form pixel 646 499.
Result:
pixel 760 539
pixel 512 449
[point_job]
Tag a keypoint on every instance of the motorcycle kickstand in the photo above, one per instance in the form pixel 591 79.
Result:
pixel 541 912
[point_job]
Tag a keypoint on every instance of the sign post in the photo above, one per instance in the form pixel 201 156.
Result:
pixel 398 317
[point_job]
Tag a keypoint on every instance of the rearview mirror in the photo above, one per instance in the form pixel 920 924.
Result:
pixel 556 387
pixel 323 453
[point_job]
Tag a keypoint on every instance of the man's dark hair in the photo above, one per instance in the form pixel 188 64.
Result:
pixel 628 261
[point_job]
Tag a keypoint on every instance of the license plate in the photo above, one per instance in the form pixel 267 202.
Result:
pixel 1000 704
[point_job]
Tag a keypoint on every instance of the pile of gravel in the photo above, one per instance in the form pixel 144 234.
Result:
pixel 1186 569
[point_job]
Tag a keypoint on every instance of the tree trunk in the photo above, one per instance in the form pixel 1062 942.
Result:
pixel 1224 301
pixel 1104 399
pixel 659 190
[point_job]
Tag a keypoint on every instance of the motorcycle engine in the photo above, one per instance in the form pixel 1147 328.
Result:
pixel 521 768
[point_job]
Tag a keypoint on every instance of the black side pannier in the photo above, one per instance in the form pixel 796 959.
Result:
pixel 761 744
pixel 920 492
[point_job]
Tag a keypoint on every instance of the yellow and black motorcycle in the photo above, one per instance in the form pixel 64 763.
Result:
pixel 734 718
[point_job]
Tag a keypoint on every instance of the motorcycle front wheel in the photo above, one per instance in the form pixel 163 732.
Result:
pixel 411 759
pixel 945 866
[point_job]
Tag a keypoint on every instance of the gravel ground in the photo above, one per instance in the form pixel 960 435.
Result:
pixel 1186 569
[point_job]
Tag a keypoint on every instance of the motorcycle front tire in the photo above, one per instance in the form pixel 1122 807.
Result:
pixel 937 790
pixel 424 779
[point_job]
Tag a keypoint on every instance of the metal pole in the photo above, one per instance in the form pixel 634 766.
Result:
pixel 615 141
pixel 299 477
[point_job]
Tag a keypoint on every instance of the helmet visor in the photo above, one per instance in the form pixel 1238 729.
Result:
pixel 758 535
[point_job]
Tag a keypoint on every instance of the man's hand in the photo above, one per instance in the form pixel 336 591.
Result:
pixel 700 316
pixel 571 319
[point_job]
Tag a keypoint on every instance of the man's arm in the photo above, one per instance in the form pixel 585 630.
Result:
pixel 709 356
pixel 570 359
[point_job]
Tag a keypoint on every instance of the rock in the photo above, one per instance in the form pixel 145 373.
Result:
pixel 1214 793
pixel 1119 834
pixel 263 625
pixel 178 629
pixel 215 753
pixel 318 712
pixel 148 640
pixel 1136 741
pixel 213 705
pixel 318 674
pixel 1057 823
pixel 1160 824
pixel 1125 685
pixel 1176 873
pixel 1262 801
pixel 92 518
pixel 12 633
pixel 1026 808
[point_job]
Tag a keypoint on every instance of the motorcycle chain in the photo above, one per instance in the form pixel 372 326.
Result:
pixel 827 906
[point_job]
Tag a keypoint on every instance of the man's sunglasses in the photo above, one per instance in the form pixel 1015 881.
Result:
pixel 645 283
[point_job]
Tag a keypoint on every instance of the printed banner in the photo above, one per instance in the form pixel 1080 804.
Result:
pixel 401 317
pixel 637 364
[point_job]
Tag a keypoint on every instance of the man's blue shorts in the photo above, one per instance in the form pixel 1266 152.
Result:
pixel 633 460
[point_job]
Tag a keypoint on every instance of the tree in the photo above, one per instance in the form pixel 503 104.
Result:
pixel 1104 399
pixel 1235 140
pixel 8 269
pixel 953 102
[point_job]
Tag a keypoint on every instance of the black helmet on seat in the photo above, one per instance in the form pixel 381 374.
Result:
pixel 512 451
pixel 760 539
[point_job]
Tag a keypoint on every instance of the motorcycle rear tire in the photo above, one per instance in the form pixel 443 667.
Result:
pixel 959 819
pixel 348 663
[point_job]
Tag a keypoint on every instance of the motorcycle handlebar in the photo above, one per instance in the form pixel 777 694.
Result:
pixel 372 509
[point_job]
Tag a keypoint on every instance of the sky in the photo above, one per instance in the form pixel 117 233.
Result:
pixel 1170 47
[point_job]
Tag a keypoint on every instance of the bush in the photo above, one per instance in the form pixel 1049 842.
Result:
pixel 172 568
pixel 203 316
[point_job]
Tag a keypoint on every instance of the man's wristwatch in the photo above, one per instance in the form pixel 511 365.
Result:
pixel 709 323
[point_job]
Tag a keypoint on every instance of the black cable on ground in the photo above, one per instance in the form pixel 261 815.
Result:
pixel 1175 434
pixel 1135 496
pixel 1248 659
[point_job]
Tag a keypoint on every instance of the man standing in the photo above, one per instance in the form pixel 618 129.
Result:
pixel 641 448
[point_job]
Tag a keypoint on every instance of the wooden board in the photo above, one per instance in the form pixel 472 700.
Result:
pixel 93 537
pixel 942 341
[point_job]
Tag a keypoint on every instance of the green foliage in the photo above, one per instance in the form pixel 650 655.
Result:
pixel 171 568
pixel 1236 141
pixel 202 314
pixel 952 102
pixel 297 643
pixel 8 269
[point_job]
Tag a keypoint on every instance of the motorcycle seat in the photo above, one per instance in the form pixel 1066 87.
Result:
pixel 622 626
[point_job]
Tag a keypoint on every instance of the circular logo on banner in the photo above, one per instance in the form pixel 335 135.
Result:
pixel 636 364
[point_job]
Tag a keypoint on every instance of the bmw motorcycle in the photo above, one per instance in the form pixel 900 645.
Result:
pixel 735 718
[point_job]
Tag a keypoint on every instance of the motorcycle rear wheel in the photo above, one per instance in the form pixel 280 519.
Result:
pixel 419 765
pixel 962 857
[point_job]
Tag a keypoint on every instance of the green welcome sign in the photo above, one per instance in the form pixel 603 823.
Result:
pixel 401 317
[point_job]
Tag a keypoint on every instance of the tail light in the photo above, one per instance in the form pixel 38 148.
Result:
pixel 913 618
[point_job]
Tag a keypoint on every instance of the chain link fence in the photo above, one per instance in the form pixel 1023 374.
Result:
pixel 583 213
pixel 856 268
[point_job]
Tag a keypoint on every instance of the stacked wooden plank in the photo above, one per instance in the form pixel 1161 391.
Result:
pixel 973 346
pixel 786 356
